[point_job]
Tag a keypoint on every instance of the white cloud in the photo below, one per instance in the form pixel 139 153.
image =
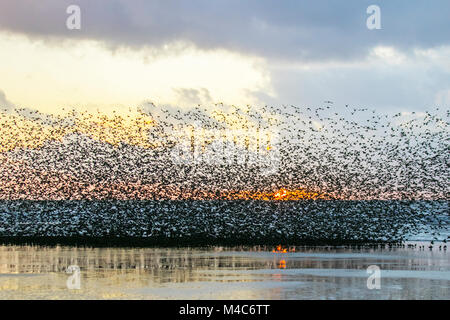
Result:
pixel 84 73
pixel 387 55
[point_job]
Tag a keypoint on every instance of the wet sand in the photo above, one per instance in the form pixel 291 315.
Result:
pixel 37 272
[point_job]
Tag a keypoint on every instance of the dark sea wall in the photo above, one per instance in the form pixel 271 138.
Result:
pixel 216 222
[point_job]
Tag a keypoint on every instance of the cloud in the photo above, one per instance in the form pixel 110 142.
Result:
pixel 386 81
pixel 292 29
pixel 193 96
pixel 29 113
pixel 290 52
pixel 442 98
pixel 86 75
pixel 5 104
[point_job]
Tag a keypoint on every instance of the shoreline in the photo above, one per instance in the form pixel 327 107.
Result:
pixel 134 242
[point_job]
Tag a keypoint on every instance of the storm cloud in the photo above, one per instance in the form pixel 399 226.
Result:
pixel 289 29
pixel 311 51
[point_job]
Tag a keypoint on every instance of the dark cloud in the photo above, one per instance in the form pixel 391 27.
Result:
pixel 289 29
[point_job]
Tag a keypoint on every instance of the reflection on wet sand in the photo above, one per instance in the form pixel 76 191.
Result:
pixel 221 272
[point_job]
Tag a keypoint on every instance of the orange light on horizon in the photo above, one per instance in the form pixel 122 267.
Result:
pixel 280 249
pixel 280 194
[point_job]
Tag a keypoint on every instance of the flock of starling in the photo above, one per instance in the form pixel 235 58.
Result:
pixel 225 173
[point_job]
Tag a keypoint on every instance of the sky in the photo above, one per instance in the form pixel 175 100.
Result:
pixel 258 52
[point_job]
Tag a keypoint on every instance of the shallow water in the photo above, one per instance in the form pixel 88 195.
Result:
pixel 36 272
